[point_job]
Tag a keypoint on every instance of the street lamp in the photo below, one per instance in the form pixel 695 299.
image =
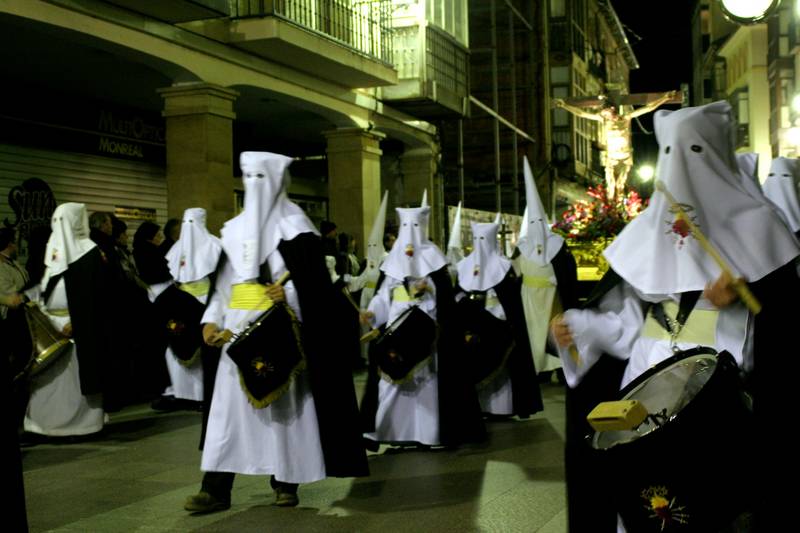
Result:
pixel 646 172
pixel 748 11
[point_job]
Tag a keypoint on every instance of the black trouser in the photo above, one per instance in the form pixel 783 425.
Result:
pixel 219 485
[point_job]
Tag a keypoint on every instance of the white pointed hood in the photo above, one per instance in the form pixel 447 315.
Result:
pixel 413 254
pixel 781 188
pixel 656 254
pixel 455 248
pixel 424 202
pixel 69 240
pixel 268 216
pixel 537 242
pixel 196 252
pixel 523 227
pixel 485 267
pixel 375 251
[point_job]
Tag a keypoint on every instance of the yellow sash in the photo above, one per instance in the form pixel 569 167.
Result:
pixel 196 288
pixel 536 282
pixel 700 327
pixel 400 294
pixel 58 312
pixel 370 284
pixel 250 297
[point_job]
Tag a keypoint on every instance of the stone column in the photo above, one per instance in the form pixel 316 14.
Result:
pixel 200 161
pixel 418 166
pixel 354 181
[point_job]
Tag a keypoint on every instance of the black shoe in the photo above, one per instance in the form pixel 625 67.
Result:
pixel 204 502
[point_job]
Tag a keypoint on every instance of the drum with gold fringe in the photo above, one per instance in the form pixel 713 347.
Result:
pixel 269 354
pixel 405 345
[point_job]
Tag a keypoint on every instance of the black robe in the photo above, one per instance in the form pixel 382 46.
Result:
pixel 460 418
pixel 525 392
pixel 328 368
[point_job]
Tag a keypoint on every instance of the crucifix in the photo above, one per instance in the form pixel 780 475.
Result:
pixel 616 111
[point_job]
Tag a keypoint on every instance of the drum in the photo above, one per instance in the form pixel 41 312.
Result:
pixel 405 344
pixel 686 467
pixel 487 340
pixel 269 354
pixel 48 343
pixel 180 314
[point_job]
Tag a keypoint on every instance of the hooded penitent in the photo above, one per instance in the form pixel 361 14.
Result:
pixel 485 267
pixel 194 256
pixel 781 188
pixel 69 240
pixel 413 255
pixel 268 216
pixel 657 253
pixel 536 241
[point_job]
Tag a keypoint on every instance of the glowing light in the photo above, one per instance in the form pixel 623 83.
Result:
pixel 646 172
pixel 748 11
pixel 793 136
pixel 796 99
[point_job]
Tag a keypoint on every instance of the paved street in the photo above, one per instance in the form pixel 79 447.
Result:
pixel 137 473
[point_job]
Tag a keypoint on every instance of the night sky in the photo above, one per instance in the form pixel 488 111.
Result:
pixel 664 50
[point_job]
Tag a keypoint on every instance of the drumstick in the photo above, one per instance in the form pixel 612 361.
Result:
pixel 740 287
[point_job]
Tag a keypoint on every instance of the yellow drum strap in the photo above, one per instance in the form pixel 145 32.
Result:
pixel 196 288
pixel 700 327
pixel 536 282
pixel 250 297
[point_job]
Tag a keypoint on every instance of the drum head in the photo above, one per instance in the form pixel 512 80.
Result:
pixel 664 390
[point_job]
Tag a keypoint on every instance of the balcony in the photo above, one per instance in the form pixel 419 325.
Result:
pixel 175 11
pixel 344 41
pixel 433 72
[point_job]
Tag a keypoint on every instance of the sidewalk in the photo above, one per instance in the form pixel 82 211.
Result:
pixel 137 473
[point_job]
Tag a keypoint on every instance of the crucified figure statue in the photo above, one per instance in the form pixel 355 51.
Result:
pixel 617 130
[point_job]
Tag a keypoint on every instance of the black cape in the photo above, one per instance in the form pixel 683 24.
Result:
pixel 460 418
pixel 566 271
pixel 91 313
pixel 525 392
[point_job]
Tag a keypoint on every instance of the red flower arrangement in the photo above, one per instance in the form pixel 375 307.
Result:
pixel 590 220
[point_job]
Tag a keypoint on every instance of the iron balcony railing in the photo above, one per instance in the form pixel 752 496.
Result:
pixel 364 26
pixel 447 61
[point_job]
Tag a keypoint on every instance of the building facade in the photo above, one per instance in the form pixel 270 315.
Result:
pixel 141 108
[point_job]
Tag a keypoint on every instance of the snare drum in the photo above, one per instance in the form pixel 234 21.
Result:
pixel 405 344
pixel 688 466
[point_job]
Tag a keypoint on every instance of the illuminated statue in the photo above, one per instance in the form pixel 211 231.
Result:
pixel 616 117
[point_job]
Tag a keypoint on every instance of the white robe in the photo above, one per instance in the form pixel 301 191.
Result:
pixel 186 383
pixel 56 406
pixel 281 439
pixel 408 412
pixel 614 328
pixel 538 305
